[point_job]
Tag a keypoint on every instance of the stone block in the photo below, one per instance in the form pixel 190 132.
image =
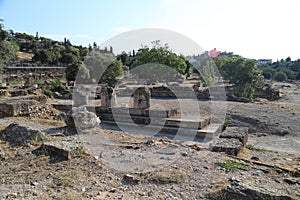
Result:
pixel 230 146
pixel 141 98
pixel 64 149
pixel 15 108
pixel 240 133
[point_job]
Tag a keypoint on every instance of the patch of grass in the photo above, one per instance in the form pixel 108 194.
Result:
pixel 254 148
pixel 170 176
pixel 230 164
pixel 67 179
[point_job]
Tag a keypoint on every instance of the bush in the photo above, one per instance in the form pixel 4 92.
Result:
pixel 280 76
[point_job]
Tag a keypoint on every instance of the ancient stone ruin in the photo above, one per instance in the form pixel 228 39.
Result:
pixel 141 98
pixel 79 118
pixel 107 97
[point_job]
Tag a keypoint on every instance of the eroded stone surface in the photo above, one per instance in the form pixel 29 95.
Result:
pixel 17 134
pixel 231 146
pixel 240 133
pixel 81 118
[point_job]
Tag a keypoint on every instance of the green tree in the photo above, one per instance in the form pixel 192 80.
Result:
pixel 157 58
pixel 103 67
pixel 243 73
pixel 280 76
pixel 8 49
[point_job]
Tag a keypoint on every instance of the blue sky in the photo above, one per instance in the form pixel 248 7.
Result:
pixel 251 28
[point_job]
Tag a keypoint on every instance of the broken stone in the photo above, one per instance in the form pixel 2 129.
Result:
pixel 231 146
pixel 63 149
pixel 15 108
pixel 17 134
pixel 130 179
pixel 141 98
pixel 240 133
pixel 80 118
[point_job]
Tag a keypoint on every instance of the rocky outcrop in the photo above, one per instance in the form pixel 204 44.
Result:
pixel 17 134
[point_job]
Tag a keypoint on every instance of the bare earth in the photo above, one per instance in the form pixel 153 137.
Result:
pixel 119 165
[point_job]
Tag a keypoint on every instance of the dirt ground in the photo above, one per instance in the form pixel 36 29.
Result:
pixel 120 165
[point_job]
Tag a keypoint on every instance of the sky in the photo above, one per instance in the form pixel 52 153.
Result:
pixel 259 29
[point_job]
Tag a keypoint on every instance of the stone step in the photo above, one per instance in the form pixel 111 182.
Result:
pixel 186 133
pixel 159 113
pixel 176 123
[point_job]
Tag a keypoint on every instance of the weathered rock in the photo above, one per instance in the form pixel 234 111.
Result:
pixel 15 108
pixel 81 118
pixel 17 134
pixel 63 149
pixel 249 189
pixel 231 146
pixel 141 98
pixel 240 133
pixel 107 97
pixel 130 179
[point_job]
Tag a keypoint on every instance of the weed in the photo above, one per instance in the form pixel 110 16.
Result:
pixel 253 148
pixel 67 179
pixel 230 164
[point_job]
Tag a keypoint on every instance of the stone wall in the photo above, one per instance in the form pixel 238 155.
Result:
pixel 15 108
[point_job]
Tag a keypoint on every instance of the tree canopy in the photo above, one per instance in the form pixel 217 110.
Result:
pixel 158 58
pixel 242 73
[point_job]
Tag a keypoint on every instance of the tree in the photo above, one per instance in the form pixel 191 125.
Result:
pixel 8 49
pixel 157 57
pixel 244 74
pixel 103 67
pixel 280 76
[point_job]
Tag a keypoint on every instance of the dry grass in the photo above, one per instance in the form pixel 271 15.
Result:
pixel 22 56
pixel 168 176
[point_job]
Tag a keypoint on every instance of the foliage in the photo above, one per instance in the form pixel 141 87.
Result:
pixel 280 76
pixel 230 164
pixel 253 148
pixel 290 68
pixel 158 58
pixel 103 67
pixel 8 49
pixel 243 73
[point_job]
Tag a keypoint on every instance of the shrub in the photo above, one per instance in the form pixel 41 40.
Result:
pixel 280 76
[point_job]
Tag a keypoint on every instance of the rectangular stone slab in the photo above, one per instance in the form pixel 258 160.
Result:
pixel 240 133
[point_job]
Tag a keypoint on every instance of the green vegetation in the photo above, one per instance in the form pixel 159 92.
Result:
pixel 8 48
pixel 253 148
pixel 67 179
pixel 280 76
pixel 160 63
pixel 242 73
pixel 230 164
pixel 282 70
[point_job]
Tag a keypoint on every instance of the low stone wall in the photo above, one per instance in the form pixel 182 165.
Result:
pixel 15 108
pixel 134 111
pixel 39 98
